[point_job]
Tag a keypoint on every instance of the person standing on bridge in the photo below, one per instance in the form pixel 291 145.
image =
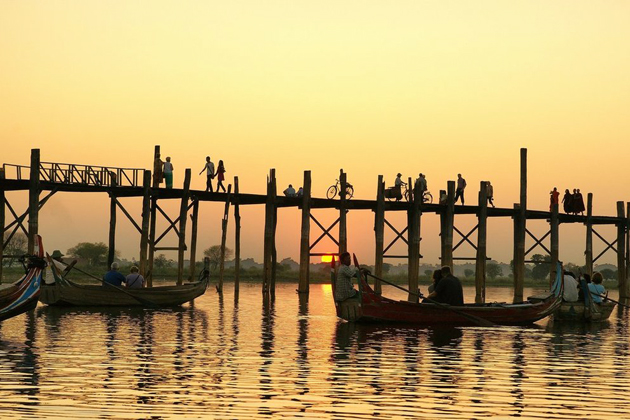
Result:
pixel 489 194
pixel 220 176
pixel 555 198
pixel 461 186
pixel 209 168
pixel 168 173
pixel 158 174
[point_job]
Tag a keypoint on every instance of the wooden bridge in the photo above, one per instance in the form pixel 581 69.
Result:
pixel 51 178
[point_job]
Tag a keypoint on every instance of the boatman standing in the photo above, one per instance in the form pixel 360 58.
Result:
pixel 344 288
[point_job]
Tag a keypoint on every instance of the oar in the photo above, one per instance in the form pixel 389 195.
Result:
pixel 143 301
pixel 479 321
pixel 612 300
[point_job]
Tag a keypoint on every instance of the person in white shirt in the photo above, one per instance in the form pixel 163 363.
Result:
pixel 571 292
pixel 290 192
pixel 209 168
pixel 168 173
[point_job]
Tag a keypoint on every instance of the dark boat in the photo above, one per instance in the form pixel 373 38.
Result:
pixel 22 296
pixel 65 292
pixel 584 312
pixel 371 307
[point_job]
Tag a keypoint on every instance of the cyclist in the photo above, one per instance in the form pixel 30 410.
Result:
pixel 398 183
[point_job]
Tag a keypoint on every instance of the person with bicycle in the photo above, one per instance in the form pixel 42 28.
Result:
pixel 398 184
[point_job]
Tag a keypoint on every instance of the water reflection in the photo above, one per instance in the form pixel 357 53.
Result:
pixel 249 358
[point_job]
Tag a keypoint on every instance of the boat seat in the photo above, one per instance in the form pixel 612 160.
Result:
pixel 539 298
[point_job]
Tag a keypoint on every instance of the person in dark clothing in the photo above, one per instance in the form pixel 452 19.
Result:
pixel 437 276
pixel 578 203
pixel 113 276
pixel 448 290
pixel 567 202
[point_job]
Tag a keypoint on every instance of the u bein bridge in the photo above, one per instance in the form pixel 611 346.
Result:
pixel 119 183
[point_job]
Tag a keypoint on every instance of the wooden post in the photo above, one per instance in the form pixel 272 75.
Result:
pixel 183 216
pixel 193 239
pixel 2 221
pixel 237 238
pixel 343 229
pixel 379 232
pixel 112 230
pixel 146 218
pixel 482 232
pixel 413 247
pixel 520 224
pixel 224 226
pixel 555 243
pixel 589 235
pixel 269 240
pixel 152 229
pixel 274 253
pixel 157 167
pixel 33 201
pixel 305 236
pixel 628 244
pixel 621 251
pixel 447 219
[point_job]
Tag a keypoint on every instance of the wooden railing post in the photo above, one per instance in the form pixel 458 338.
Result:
pixel 379 232
pixel 183 216
pixel 305 237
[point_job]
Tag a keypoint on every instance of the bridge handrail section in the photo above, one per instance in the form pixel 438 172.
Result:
pixel 70 173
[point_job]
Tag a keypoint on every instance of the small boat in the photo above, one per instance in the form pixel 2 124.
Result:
pixel 585 310
pixel 65 292
pixel 371 307
pixel 22 296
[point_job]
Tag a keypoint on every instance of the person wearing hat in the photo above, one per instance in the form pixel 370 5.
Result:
pixel 60 265
pixel 398 183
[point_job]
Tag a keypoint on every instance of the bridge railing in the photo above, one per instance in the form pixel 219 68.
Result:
pixel 70 173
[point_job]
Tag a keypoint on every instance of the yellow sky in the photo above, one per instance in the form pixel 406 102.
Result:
pixel 374 87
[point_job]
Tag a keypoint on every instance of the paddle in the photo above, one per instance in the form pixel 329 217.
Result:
pixel 143 301
pixel 479 321
pixel 605 297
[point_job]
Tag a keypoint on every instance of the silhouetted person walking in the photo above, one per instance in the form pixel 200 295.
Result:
pixel 567 202
pixel 489 194
pixel 168 173
pixel 578 202
pixel 209 168
pixel 461 186
pixel 220 176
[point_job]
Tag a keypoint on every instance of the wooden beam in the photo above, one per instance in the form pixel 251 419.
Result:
pixel 224 228
pixel 194 218
pixel 520 224
pixel 482 232
pixel 343 228
pixel 146 219
pixel 268 244
pixel 237 238
pixel 305 236
pixel 2 220
pixel 624 290
pixel 112 230
pixel 183 218
pixel 152 229
pixel 555 243
pixel 413 247
pixel 131 219
pixel 447 219
pixel 274 253
pixel 33 200
pixel 379 232
pixel 588 253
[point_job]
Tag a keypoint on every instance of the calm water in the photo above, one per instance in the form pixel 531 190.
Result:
pixel 220 360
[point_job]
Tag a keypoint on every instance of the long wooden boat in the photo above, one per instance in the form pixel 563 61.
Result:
pixel 22 296
pixel 371 307
pixel 65 292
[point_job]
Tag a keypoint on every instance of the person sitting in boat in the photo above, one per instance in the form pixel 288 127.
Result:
pixel 113 276
pixel 343 287
pixel 437 276
pixel 448 290
pixel 596 288
pixel 571 292
pixel 135 279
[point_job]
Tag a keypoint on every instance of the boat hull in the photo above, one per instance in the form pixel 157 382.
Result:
pixel 581 312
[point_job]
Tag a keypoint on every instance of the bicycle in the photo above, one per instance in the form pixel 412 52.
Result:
pixel 390 194
pixel 335 190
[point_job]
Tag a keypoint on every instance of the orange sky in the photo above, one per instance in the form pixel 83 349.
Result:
pixel 376 88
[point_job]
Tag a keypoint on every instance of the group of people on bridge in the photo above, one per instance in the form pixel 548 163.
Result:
pixel 573 203
pixel 163 172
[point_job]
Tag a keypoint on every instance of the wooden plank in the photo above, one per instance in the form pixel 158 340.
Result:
pixel 305 235
pixel 2 221
pixel 555 243
pixel 624 290
pixel 111 254
pixel 224 228
pixel 33 200
pixel 146 219
pixel 237 238
pixel 193 239
pixel 482 233
pixel 379 232
pixel 183 218
pixel 343 227
pixel 588 253
pixel 413 247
